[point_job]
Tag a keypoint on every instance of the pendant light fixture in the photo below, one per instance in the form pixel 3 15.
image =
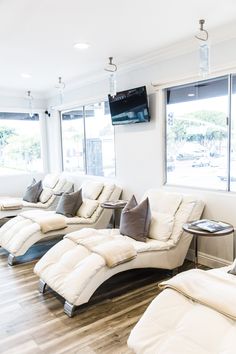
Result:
pixel 111 68
pixel 60 86
pixel 30 103
pixel 202 36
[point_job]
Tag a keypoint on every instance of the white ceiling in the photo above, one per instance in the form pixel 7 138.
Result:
pixel 37 36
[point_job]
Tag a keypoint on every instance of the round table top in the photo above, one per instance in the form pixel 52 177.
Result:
pixel 198 232
pixel 118 204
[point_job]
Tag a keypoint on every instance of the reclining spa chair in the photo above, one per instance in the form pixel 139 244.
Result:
pixel 23 231
pixel 52 184
pixel 76 266
pixel 194 314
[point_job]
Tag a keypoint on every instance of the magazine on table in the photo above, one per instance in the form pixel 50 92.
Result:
pixel 209 225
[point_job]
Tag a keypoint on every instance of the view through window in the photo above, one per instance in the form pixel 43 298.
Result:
pixel 88 140
pixel 72 129
pixel 198 147
pixel 20 143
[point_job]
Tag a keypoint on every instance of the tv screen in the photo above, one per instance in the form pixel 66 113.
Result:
pixel 130 106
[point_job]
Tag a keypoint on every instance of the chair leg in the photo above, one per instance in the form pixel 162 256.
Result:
pixel 42 286
pixel 69 309
pixel 11 259
pixel 175 271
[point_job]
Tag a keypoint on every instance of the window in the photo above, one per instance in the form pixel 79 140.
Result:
pixel 20 143
pixel 72 128
pixel 88 140
pixel 198 147
pixel 99 140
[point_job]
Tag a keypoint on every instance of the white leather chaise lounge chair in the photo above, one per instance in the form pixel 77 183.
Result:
pixel 194 314
pixel 23 231
pixel 76 266
pixel 52 185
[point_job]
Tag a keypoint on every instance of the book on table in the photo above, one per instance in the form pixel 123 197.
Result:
pixel 209 225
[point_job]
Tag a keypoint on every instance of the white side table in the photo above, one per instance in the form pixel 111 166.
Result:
pixel 114 205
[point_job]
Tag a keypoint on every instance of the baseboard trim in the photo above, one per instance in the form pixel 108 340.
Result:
pixel 208 260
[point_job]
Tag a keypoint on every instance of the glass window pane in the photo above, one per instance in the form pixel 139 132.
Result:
pixel 20 143
pixel 72 129
pixel 196 134
pixel 100 157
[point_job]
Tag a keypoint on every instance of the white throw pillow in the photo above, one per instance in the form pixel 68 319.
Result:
pixel 91 190
pixel 45 195
pixel 182 216
pixel 161 226
pixel 50 180
pixel 87 208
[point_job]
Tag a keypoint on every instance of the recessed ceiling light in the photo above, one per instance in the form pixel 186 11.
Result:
pixel 25 76
pixel 81 45
pixel 191 94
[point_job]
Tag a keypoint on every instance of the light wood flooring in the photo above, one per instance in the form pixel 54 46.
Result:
pixel 35 323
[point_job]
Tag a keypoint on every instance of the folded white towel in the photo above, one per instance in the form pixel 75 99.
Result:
pixel 10 203
pixel 114 249
pixel 48 221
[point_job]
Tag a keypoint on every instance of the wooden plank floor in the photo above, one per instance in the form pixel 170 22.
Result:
pixel 35 323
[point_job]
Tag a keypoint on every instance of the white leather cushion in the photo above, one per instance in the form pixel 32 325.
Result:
pixel 87 208
pixel 50 180
pixel 91 190
pixel 45 195
pixel 68 187
pixel 182 216
pixel 106 194
pixel 161 226
pixel 162 201
pixel 59 187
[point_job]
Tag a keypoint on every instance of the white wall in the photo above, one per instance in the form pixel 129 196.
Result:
pixel 10 100
pixel 15 185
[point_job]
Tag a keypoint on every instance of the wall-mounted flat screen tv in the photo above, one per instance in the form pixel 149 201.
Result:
pixel 130 106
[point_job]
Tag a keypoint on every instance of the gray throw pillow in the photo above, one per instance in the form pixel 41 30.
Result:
pixel 33 192
pixel 135 219
pixel 69 203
